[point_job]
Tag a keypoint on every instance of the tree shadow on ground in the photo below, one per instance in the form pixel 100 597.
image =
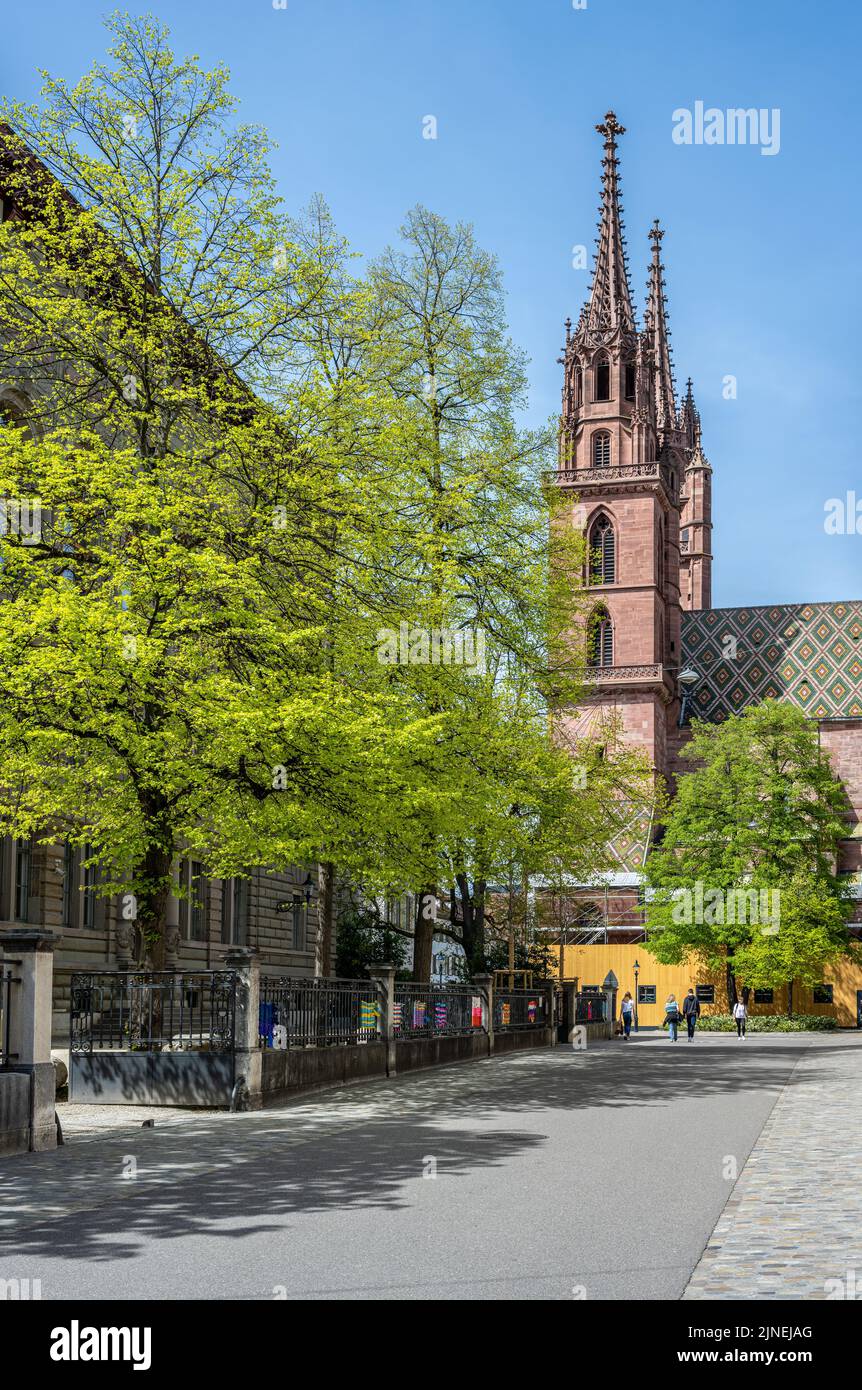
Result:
pixel 234 1176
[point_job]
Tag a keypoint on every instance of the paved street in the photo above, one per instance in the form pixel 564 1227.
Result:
pixel 555 1172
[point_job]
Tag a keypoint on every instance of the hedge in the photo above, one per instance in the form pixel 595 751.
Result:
pixel 769 1023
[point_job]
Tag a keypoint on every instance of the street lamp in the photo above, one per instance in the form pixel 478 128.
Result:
pixel 688 679
pixel 637 972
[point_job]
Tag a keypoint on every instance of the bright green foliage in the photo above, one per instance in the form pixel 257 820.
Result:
pixel 253 468
pixel 758 821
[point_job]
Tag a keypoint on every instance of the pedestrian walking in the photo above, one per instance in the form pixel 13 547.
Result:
pixel 691 1012
pixel 672 1016
pixel 627 1013
pixel 740 1013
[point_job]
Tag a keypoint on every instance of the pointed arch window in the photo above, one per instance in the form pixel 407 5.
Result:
pixel 603 551
pixel 630 381
pixel 602 379
pixel 601 450
pixel 600 644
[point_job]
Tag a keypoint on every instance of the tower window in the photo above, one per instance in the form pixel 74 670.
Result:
pixel 601 450
pixel 600 645
pixel 630 381
pixel 603 379
pixel 602 552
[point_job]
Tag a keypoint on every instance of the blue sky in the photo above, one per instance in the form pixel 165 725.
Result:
pixel 761 252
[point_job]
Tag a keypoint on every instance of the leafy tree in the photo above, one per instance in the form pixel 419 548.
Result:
pixel 476 553
pixel 363 940
pixel 161 678
pixel 746 873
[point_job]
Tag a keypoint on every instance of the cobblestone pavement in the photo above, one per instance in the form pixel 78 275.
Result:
pixel 792 1227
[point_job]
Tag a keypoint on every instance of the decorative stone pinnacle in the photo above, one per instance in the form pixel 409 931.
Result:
pixel 610 128
pixel 656 235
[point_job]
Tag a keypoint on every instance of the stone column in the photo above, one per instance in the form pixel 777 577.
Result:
pixel 570 1008
pixel 383 975
pixel 248 1059
pixel 485 985
pixel 29 953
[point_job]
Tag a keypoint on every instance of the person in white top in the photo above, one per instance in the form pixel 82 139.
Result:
pixel 740 1013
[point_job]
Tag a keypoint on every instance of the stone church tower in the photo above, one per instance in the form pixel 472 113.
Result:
pixel 631 454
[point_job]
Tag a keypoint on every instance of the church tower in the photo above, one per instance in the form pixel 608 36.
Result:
pixel 630 457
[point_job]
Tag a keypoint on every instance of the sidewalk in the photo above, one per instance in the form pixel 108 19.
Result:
pixel 793 1225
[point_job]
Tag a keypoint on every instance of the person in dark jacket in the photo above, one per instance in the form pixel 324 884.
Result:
pixel 691 1012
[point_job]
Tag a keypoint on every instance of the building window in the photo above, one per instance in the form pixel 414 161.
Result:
pixel 646 994
pixel 23 874
pixel 234 911
pixel 298 923
pixel 603 379
pixel 705 993
pixel 71 901
pixel 90 877
pixel 600 646
pixel 601 450
pixel 823 994
pixel 764 996
pixel 602 552
pixel 194 905
pixel 630 381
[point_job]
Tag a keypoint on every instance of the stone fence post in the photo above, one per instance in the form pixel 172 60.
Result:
pixel 248 1058
pixel 485 985
pixel 28 952
pixel 383 975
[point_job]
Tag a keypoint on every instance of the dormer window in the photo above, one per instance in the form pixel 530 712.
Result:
pixel 601 450
pixel 602 379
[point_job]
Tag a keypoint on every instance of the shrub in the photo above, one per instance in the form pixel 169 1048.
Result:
pixel 769 1023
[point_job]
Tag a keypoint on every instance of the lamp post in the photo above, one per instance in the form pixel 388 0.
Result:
pixel 637 972
pixel 688 679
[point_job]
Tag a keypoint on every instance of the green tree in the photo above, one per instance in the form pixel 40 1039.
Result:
pixel 746 872
pixel 162 687
pixel 475 552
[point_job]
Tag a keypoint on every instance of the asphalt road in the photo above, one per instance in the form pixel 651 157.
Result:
pixel 558 1175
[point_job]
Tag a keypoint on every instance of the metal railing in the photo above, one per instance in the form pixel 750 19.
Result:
pixel 591 1008
pixel 297 1012
pixel 153 1011
pixel 436 1011
pixel 6 983
pixel 518 1009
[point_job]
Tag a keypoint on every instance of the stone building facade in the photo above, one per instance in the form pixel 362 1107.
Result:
pixel 632 461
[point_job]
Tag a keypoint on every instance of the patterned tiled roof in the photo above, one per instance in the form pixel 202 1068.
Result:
pixel 809 654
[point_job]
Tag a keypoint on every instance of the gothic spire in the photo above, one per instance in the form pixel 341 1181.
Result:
pixel 665 391
pixel 610 304
pixel 689 418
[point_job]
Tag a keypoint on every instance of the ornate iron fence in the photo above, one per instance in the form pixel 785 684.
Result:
pixel 296 1012
pixel 591 1008
pixel 155 1011
pixel 5 1014
pixel 434 1011
pixel 517 1009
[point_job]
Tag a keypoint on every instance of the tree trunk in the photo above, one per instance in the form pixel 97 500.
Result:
pixel 153 879
pixel 731 982
pixel 789 998
pixel 326 917
pixel 473 922
pixel 423 935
